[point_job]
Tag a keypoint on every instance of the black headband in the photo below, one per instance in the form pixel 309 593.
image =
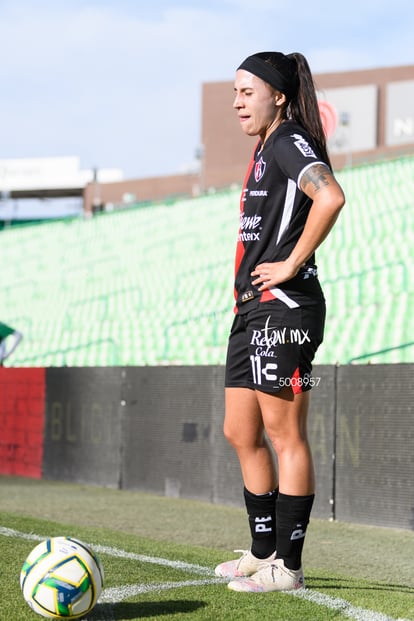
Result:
pixel 284 81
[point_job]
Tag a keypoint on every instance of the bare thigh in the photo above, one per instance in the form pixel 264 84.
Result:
pixel 285 420
pixel 244 429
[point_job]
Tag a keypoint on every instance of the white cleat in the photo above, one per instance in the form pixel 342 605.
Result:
pixel 274 577
pixel 246 565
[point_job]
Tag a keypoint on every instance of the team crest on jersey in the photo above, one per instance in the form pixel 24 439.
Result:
pixel 259 169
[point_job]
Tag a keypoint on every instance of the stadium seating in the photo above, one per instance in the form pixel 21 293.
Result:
pixel 153 285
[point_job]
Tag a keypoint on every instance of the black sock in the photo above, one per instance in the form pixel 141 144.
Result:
pixel 292 515
pixel 262 521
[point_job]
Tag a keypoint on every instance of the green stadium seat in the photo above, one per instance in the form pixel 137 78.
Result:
pixel 88 293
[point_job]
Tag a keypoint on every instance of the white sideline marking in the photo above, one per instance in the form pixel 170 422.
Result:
pixel 104 610
pixel 191 567
pixel 336 603
pixel 117 594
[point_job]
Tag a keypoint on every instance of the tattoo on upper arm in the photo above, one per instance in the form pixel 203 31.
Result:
pixel 317 176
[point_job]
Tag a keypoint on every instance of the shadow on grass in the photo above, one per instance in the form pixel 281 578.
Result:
pixel 141 610
pixel 339 583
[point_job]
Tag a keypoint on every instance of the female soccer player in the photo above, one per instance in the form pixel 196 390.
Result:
pixel 289 203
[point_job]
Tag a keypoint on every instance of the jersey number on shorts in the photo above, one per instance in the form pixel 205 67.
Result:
pixel 266 371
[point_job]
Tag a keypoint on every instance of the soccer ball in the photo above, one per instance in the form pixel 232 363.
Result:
pixel 61 578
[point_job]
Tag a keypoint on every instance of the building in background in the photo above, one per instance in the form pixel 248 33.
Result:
pixel 367 115
pixel 47 187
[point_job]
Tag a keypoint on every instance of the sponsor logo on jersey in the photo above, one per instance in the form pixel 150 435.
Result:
pixel 247 296
pixel 249 223
pixel 259 169
pixel 258 193
pixel 308 272
pixel 303 146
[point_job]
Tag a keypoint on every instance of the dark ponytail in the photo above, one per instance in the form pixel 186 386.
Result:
pixel 304 108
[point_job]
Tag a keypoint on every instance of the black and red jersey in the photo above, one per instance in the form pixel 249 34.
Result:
pixel 273 212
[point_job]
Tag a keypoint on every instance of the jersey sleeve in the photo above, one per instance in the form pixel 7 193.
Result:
pixel 294 153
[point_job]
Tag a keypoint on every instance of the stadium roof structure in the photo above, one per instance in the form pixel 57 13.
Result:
pixel 49 177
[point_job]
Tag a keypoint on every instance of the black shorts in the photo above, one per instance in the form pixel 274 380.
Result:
pixel 273 346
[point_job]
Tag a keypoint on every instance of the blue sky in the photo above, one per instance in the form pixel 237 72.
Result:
pixel 118 83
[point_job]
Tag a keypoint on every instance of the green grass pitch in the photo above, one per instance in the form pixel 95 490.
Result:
pixel 159 556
